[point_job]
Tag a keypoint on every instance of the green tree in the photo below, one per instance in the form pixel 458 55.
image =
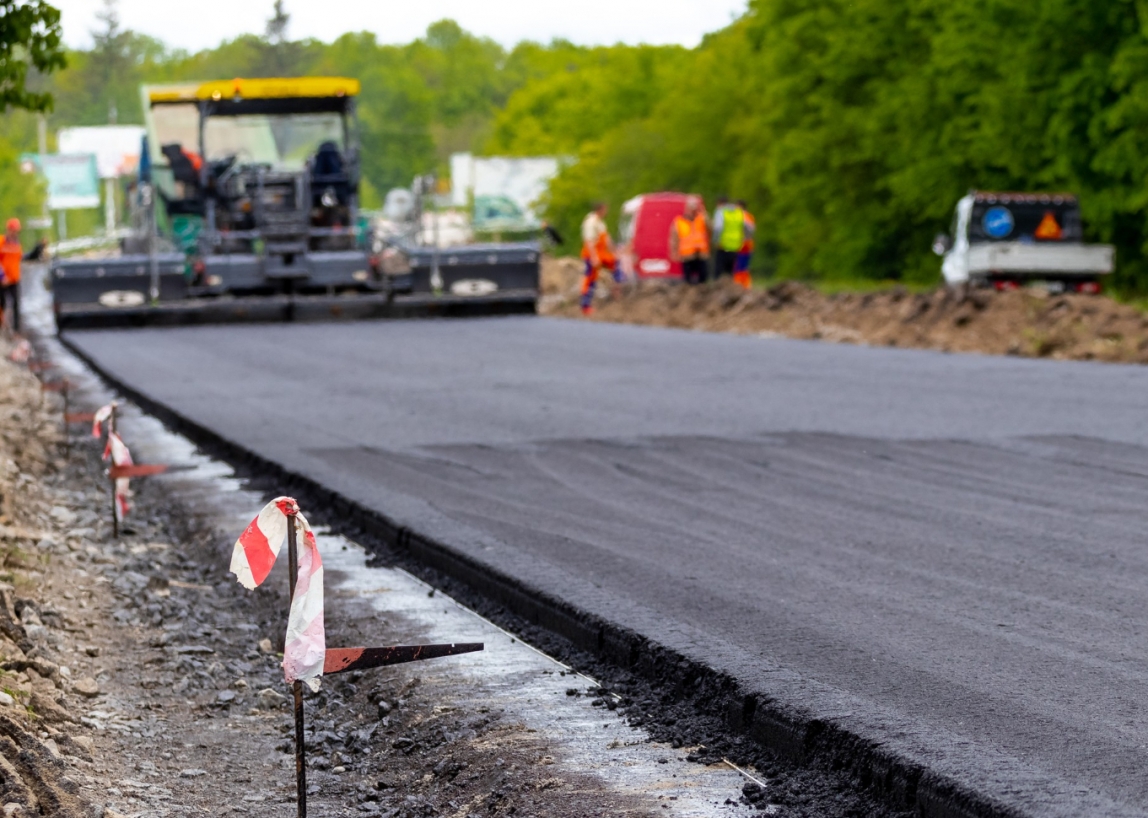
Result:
pixel 30 39
pixel 30 50
pixel 395 112
pixel 396 108
pixel 591 92
pixel 462 74
pixel 280 56
pixel 109 61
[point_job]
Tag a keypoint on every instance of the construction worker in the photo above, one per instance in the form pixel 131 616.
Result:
pixel 729 236
pixel 598 253
pixel 745 254
pixel 690 242
pixel 11 254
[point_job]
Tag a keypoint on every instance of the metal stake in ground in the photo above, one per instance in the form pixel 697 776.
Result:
pixel 129 471
pixel 115 510
pixel 297 686
pixel 124 470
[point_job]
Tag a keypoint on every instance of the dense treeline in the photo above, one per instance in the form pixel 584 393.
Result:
pixel 851 126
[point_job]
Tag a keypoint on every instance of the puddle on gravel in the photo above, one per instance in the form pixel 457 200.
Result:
pixel 508 675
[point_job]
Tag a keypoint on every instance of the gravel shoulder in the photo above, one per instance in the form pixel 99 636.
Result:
pixel 140 680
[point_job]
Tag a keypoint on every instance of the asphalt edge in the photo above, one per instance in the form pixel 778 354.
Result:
pixel 801 738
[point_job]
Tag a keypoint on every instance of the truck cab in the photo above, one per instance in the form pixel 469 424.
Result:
pixel 1006 240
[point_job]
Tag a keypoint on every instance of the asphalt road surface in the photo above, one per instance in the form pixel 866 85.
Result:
pixel 945 553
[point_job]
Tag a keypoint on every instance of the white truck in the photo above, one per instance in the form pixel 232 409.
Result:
pixel 1006 240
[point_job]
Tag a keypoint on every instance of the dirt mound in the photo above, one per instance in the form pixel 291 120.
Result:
pixel 560 276
pixel 960 319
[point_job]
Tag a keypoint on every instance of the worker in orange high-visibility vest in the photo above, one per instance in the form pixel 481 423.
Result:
pixel 690 242
pixel 11 254
pixel 745 255
pixel 598 254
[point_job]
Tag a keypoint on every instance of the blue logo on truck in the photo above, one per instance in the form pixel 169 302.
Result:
pixel 998 222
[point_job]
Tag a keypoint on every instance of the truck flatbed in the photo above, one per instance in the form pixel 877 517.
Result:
pixel 1061 260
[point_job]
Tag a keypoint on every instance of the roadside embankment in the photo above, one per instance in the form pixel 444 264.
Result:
pixel 1030 323
pixel 43 688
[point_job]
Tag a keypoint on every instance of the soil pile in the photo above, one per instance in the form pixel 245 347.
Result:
pixel 560 276
pixel 1031 323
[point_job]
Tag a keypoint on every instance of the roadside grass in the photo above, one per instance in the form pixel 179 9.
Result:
pixel 1140 302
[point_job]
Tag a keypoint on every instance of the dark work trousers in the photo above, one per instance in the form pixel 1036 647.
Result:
pixel 10 296
pixel 724 261
pixel 694 270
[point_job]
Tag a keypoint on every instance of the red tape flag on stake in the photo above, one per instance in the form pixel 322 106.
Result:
pixel 117 450
pixel 103 414
pixel 251 561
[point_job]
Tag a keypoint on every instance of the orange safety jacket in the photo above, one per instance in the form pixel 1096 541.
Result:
pixel 693 236
pixel 11 254
pixel 606 259
pixel 751 226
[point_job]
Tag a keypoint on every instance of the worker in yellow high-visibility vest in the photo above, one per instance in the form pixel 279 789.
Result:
pixel 729 236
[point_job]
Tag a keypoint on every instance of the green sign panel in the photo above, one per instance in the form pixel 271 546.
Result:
pixel 73 183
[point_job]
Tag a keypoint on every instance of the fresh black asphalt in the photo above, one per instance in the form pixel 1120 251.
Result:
pixel 942 553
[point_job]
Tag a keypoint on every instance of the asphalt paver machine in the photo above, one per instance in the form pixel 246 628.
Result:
pixel 247 205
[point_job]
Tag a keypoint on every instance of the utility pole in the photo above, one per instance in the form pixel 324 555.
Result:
pixel 42 146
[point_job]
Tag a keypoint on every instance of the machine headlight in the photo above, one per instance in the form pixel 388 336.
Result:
pixel 329 197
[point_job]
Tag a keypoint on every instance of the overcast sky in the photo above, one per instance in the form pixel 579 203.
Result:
pixel 197 24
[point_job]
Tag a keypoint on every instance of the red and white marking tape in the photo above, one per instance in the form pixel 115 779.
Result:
pixel 102 416
pixel 251 561
pixel 117 450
